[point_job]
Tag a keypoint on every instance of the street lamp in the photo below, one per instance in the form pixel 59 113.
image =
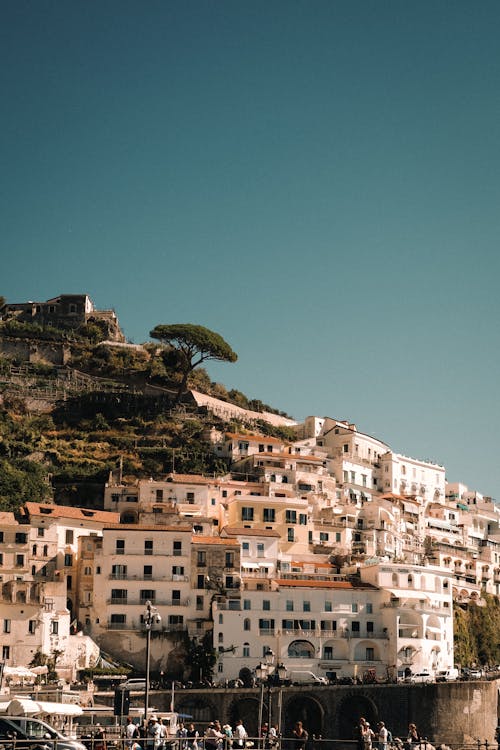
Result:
pixel 270 676
pixel 150 616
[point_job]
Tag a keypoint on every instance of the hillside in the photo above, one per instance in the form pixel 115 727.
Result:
pixel 64 427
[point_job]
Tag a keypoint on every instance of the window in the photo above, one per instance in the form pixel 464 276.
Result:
pixel 119 596
pixel 177 549
pixel 247 514
pixel 201 558
pixel 260 549
pixel 69 582
pixel 247 604
pixel 200 582
pixel 345 447
pixel 115 497
pixel 291 516
pixel 45 550
pixel 229 559
pixel 148 546
pixel 269 515
pixel 19 561
pixel 364 479
pixel 68 561
pixel 176 598
pixel 177 570
pixel 370 654
pixel 306 606
pixel 290 535
pixel 328 607
pixel 369 608
pixel 147 572
pixel 353 477
pixel 266 605
pixel 120 547
pixel 6 626
pixel 266 624
pixel 261 448
pixel 354 607
pixel 289 605
pixel 33 550
pixel 69 536
pixel 323 536
pixel 245 547
pixel 21 538
pixel 346 476
pixel 119 571
pixel 147 595
pixel 355 626
pixel 54 627
pixel 39 532
pixel 199 602
pixel 1 558
pixel 338 536
pixel 31 626
pixel 190 498
pixel 369 627
pixel 246 650
pixel 328 653
pixel 303 519
pixel 246 624
pixel 118 619
pixel 5 652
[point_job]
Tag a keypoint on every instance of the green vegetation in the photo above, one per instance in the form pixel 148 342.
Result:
pixel 190 346
pixel 476 629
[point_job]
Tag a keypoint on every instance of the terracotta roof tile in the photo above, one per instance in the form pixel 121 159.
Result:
pixel 47 510
pixel 214 540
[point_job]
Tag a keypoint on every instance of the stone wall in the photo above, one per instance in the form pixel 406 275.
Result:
pixel 452 713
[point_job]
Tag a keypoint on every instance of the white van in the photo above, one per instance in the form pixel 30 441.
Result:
pixel 299 677
pixel 447 674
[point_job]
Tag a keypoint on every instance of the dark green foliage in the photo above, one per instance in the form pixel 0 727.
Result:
pixel 193 344
pixel 476 629
pixel 22 481
pixel 201 658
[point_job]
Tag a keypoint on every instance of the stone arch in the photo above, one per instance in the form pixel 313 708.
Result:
pixel 351 708
pixel 247 709
pixel 301 649
pixel 198 707
pixel 304 708
pixel 360 650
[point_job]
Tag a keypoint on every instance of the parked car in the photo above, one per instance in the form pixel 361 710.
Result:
pixel 420 677
pixel 134 683
pixel 446 675
pixel 26 733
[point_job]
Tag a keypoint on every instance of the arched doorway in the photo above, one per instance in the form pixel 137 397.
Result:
pixel 306 709
pixel 352 707
pixel 246 709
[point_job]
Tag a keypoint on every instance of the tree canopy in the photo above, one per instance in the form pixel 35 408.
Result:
pixel 193 344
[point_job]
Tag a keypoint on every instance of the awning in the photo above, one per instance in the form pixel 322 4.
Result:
pixel 432 629
pixel 251 565
pixel 462 506
pixel 407 626
pixel 438 523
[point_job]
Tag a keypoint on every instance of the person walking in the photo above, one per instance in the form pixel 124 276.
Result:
pixel 382 736
pixel 240 734
pixel 300 736
pixel 192 737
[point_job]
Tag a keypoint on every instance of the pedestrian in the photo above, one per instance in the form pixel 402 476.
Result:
pixel 368 735
pixel 240 734
pixel 214 736
pixel 300 736
pixel 413 735
pixel 192 737
pixel 497 737
pixel 154 733
pixel 272 736
pixel 182 735
pixel 99 738
pixel 228 731
pixel 382 736
pixel 131 733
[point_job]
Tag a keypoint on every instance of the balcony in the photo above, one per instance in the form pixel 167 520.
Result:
pixel 135 602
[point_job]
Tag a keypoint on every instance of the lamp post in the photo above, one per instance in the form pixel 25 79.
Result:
pixel 150 616
pixel 270 676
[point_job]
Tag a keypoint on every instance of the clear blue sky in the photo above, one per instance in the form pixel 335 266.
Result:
pixel 318 181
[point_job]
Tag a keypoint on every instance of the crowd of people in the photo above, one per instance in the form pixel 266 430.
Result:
pixel 381 737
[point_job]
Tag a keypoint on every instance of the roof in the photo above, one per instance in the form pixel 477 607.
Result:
pixel 188 478
pixel 46 510
pixel 147 527
pixel 214 540
pixel 311 584
pixel 258 438
pixel 242 531
pixel 7 518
